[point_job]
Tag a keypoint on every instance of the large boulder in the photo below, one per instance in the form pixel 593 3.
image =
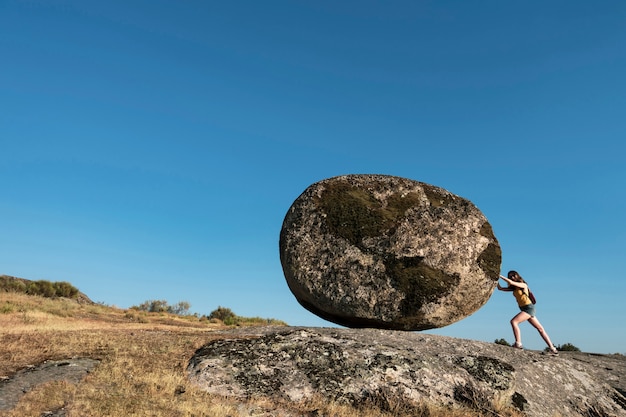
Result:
pixel 388 252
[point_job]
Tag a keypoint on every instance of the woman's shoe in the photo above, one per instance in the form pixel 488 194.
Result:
pixel 554 351
pixel 517 346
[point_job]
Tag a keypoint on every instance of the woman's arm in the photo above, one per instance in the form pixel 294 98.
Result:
pixel 513 283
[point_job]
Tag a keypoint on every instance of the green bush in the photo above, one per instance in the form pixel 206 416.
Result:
pixel 162 306
pixel 252 321
pixel 231 319
pixel 152 306
pixel 11 284
pixel 65 289
pixel 501 342
pixel 224 314
pixel 19 286
pixel 567 347
pixel 41 288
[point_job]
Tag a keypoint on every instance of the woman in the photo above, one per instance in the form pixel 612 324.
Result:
pixel 520 290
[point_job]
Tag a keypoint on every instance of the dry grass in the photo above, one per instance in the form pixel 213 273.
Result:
pixel 143 357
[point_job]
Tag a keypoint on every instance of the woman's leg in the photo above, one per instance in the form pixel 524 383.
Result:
pixel 515 322
pixel 542 331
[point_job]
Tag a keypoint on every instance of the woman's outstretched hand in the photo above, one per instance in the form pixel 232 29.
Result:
pixel 504 278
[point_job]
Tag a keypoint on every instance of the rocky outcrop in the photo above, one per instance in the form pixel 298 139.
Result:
pixel 388 252
pixel 71 370
pixel 358 366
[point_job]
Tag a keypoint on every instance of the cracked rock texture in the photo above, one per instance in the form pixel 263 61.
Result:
pixel 359 365
pixel 388 252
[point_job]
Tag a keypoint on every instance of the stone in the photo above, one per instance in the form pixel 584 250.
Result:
pixel 373 366
pixel 71 370
pixel 388 252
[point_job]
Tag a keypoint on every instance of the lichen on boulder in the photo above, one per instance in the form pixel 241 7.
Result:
pixel 388 252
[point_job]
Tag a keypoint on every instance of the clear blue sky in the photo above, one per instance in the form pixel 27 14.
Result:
pixel 150 149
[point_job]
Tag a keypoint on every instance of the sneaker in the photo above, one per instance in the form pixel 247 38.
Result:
pixel 517 346
pixel 553 351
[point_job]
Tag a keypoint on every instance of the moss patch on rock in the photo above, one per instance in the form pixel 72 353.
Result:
pixel 354 213
pixel 420 283
pixel 490 258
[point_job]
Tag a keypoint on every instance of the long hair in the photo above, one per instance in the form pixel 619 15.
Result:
pixel 515 276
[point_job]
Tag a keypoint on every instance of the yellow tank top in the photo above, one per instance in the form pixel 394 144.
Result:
pixel 522 297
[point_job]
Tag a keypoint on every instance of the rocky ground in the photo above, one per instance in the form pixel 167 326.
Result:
pixel 354 365
pixel 360 365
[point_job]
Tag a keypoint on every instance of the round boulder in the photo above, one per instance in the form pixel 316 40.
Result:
pixel 388 252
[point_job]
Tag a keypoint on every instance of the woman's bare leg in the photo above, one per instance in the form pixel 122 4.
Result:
pixel 515 322
pixel 542 331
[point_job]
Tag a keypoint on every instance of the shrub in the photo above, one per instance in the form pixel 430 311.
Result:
pixel 161 306
pixel 181 308
pixel 567 347
pixel 19 286
pixel 7 308
pixel 8 283
pixel 502 342
pixel 65 289
pixel 136 317
pixel 224 314
pixel 41 288
pixel 152 306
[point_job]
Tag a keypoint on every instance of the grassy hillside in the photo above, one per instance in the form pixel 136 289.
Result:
pixel 143 357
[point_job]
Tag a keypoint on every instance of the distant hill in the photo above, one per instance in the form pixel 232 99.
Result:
pixel 43 288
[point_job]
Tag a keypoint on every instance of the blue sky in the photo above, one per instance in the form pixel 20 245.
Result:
pixel 150 149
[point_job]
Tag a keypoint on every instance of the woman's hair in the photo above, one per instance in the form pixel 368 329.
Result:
pixel 515 276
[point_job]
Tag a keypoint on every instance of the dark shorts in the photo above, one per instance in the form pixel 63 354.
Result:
pixel 529 308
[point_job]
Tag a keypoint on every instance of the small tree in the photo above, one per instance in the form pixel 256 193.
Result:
pixel 501 342
pixel 181 308
pixel 161 306
pixel 153 306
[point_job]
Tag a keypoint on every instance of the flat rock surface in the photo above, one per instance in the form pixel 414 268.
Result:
pixel 71 370
pixel 353 365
